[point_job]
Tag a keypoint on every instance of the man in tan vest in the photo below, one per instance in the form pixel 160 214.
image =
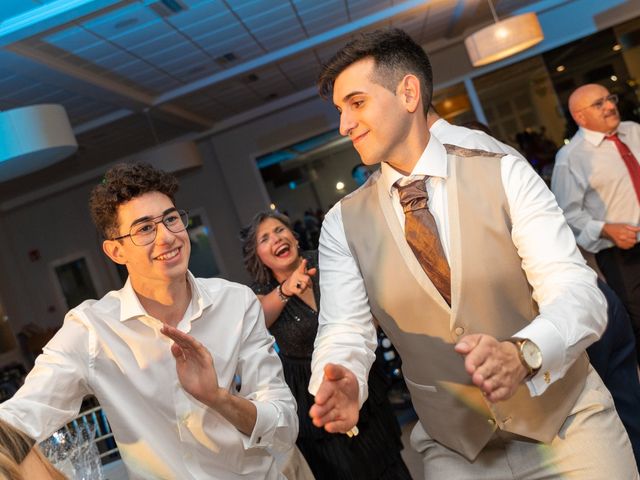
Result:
pixel 465 260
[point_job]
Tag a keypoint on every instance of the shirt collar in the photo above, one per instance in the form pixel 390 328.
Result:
pixel 438 125
pixel 130 306
pixel 596 138
pixel 432 162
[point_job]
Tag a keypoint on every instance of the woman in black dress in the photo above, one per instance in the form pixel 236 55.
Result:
pixel 287 286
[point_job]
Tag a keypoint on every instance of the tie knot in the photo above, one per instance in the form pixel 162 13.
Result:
pixel 613 137
pixel 413 196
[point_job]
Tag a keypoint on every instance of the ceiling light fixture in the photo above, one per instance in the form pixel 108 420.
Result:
pixel 503 38
pixel 32 138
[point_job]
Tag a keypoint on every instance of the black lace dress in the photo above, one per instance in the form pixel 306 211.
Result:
pixel 375 452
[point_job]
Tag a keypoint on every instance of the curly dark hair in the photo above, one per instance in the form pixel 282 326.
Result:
pixel 395 55
pixel 258 271
pixel 122 183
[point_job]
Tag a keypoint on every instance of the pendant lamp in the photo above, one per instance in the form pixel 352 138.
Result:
pixel 503 38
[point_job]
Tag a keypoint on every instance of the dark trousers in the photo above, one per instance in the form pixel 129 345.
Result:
pixel 621 269
pixel 614 358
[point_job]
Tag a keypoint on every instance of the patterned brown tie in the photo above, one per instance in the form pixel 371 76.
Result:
pixel 421 232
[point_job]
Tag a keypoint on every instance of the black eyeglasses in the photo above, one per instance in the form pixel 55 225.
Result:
pixel 599 104
pixel 144 233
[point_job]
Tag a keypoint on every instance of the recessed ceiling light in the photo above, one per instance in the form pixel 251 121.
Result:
pixel 226 59
pixel 560 68
pixel 617 47
pixel 168 8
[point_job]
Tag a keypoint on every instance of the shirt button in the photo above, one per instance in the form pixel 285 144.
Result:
pixel 185 419
pixel 491 421
pixel 547 378
pixel 459 331
pixel 259 439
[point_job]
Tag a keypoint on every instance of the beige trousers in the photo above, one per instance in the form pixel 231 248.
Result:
pixel 591 445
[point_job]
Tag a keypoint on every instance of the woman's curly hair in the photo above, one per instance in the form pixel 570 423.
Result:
pixel 122 183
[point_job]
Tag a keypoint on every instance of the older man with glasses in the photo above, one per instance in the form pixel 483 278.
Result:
pixel 596 180
pixel 163 355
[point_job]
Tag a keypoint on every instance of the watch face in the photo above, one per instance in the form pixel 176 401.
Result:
pixel 531 354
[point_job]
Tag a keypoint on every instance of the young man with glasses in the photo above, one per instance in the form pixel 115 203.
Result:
pixel 596 180
pixel 163 355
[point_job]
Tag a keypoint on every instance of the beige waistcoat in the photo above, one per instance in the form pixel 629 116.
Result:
pixel 490 294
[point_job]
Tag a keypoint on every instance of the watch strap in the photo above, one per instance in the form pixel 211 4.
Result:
pixel 519 343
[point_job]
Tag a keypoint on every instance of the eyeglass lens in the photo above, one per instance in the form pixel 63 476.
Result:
pixel 599 104
pixel 145 232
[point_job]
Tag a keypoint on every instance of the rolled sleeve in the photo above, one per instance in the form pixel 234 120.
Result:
pixel 590 239
pixel 268 420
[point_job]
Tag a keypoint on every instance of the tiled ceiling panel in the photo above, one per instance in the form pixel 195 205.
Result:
pixel 135 17
pixel 318 17
pixel 300 71
pixel 362 8
pixel 21 91
pixel 180 66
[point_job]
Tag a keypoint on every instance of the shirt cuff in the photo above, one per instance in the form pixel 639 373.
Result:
pixel 544 334
pixel 267 420
pixel 590 238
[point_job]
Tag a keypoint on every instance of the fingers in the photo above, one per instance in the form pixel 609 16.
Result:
pixel 177 352
pixel 336 402
pixel 499 394
pixel 333 371
pixel 494 366
pixel 300 279
pixel 629 236
pixel 302 267
pixel 338 383
pixel 468 343
pixel 186 343
pixel 470 346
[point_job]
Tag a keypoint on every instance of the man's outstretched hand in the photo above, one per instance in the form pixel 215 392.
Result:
pixel 336 403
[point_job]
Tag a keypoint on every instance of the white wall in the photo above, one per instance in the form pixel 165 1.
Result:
pixel 237 149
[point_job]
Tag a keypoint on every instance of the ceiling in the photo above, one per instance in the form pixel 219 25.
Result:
pixel 135 73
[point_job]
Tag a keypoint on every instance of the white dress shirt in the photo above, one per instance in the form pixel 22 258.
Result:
pixel 465 137
pixel 572 309
pixel 113 349
pixel 593 185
